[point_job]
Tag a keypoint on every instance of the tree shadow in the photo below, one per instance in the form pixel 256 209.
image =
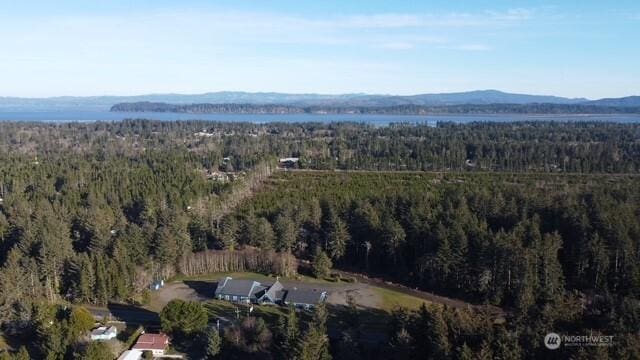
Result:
pixel 369 323
pixel 15 339
pixel 204 289
pixel 133 314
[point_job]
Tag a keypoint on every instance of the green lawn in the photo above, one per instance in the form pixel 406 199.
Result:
pixel 391 299
pixel 221 308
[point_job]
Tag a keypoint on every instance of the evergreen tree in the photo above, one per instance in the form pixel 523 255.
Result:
pixel 183 318
pixel 97 350
pixel 314 344
pixel 338 237
pixel 438 332
pixel 228 233
pixel 288 333
pixel 285 231
pixel 80 322
pixel 213 344
pixel 401 345
pixel 264 236
pixel 22 354
pixel 321 264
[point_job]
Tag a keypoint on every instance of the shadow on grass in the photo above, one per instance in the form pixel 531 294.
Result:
pixel 133 314
pixel 205 289
pixel 371 324
pixel 15 339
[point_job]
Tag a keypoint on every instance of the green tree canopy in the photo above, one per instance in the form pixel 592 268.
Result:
pixel 183 318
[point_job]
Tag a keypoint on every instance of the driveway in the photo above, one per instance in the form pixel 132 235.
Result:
pixel 202 290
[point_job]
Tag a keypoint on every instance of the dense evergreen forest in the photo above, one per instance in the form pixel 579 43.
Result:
pixel 560 252
pixel 380 110
pixel 541 219
pixel 580 147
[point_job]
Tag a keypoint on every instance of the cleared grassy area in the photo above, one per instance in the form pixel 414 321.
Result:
pixel 227 310
pixel 390 299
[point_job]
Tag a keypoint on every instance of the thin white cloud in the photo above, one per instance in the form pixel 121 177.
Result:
pixel 512 15
pixel 470 47
pixel 397 46
pixel 209 29
pixel 384 21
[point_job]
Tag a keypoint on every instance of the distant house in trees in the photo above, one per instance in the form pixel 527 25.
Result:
pixel 156 343
pixel 251 291
pixel 218 176
pixel 104 333
pixel 288 162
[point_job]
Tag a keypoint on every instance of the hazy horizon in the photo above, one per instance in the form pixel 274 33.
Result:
pixel 300 94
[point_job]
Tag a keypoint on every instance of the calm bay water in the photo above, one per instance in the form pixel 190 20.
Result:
pixel 379 120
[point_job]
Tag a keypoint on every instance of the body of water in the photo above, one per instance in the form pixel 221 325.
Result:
pixel 380 120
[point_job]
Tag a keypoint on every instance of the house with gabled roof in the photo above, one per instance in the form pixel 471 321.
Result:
pixel 274 294
pixel 250 291
pixel 238 290
pixel 156 343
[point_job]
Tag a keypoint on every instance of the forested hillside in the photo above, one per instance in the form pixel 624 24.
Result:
pixel 402 109
pixel 94 212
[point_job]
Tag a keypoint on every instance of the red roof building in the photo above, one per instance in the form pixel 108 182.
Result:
pixel 156 343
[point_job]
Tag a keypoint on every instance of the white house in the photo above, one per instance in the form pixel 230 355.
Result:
pixel 131 355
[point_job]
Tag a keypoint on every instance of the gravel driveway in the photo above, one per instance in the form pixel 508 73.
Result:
pixel 203 290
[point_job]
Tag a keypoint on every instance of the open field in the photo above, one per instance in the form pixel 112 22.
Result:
pixel 390 299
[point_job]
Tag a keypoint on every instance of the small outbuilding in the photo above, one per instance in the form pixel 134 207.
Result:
pixel 104 333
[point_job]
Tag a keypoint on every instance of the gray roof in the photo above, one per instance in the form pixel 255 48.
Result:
pixel 236 287
pixel 274 292
pixel 258 290
pixel 305 296
pixel 280 295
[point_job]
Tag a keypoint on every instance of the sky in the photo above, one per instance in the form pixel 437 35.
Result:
pixel 85 48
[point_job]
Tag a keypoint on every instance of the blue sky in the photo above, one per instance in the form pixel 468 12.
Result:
pixel 567 48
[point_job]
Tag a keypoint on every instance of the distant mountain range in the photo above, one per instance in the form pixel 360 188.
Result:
pixel 480 97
